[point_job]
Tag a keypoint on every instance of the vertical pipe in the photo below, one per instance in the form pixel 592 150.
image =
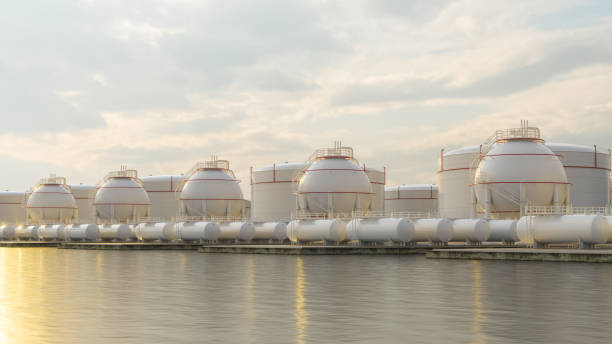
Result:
pixel 595 150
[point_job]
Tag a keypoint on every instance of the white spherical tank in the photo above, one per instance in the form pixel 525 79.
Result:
pixel 417 198
pixel 455 179
pixel 164 192
pixel 51 202
pixel 121 198
pixel 84 196
pixel 588 171
pixel 377 178
pixel 12 207
pixel 380 230
pixel 273 191
pixel 212 191
pixel 334 183
pixel 519 170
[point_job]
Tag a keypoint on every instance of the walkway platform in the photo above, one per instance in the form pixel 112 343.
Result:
pixel 525 254
pixel 313 249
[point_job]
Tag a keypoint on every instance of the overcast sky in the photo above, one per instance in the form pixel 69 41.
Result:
pixel 89 85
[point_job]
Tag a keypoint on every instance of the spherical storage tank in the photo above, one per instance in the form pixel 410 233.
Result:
pixel 211 190
pixel 455 179
pixel 519 170
pixel 12 207
pixel 417 198
pixel 588 171
pixel 164 192
pixel 84 196
pixel 273 190
pixel 334 183
pixel 51 202
pixel 121 198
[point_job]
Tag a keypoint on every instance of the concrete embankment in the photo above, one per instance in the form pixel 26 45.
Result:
pixel 28 244
pixel 126 246
pixel 312 249
pixel 525 254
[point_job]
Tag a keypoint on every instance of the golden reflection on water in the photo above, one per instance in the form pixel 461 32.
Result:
pixel 301 316
pixel 477 303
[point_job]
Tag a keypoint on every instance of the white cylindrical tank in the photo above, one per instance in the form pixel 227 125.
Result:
pixel 589 229
pixel 119 232
pixel 84 196
pixel 273 191
pixel 270 231
pixel 198 231
pixel 455 177
pixel 212 191
pixel 470 230
pixel 377 178
pixel 12 207
pixel 50 232
pixel 82 232
pixel 164 192
pixel 7 232
pixel 244 231
pixel 247 209
pixel 26 232
pixel 503 230
pixel 334 183
pixel 121 199
pixel 433 230
pixel 162 231
pixel 588 171
pixel 416 198
pixel 519 170
pixel 380 230
pixel 609 222
pixel 317 230
pixel 51 202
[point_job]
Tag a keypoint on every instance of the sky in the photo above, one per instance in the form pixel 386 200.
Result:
pixel 157 85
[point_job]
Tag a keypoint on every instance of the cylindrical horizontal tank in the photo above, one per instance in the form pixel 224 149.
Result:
pixel 380 230
pixel 334 183
pixel 26 232
pixel 7 232
pixel 433 230
pixel 119 232
pixel 212 191
pixel 84 196
pixel 121 199
pixel 244 231
pixel 50 232
pixel 416 198
pixel 273 191
pixel 82 232
pixel 164 192
pixel 333 230
pixel 163 231
pixel 589 229
pixel 470 230
pixel 51 202
pixel 12 207
pixel 588 171
pixel 519 170
pixel 455 179
pixel 503 230
pixel 377 178
pixel 198 231
pixel 270 231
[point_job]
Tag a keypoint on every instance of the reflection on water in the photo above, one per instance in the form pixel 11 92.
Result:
pixel 72 296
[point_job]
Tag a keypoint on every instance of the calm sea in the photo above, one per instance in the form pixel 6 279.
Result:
pixel 72 296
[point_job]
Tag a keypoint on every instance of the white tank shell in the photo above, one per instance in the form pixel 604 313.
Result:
pixel 433 230
pixel 244 231
pixel 121 200
pixel 339 180
pixel 588 171
pixel 470 230
pixel 590 229
pixel 81 232
pixel 270 231
pixel 198 231
pixel 212 193
pixel 23 232
pixel 50 232
pixel 503 230
pixel 12 207
pixel 455 177
pixel 51 204
pixel 163 231
pixel 7 232
pixel 380 230
pixel 119 232
pixel 377 180
pixel 84 196
pixel 273 191
pixel 317 230
pixel 416 198
pixel 164 193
